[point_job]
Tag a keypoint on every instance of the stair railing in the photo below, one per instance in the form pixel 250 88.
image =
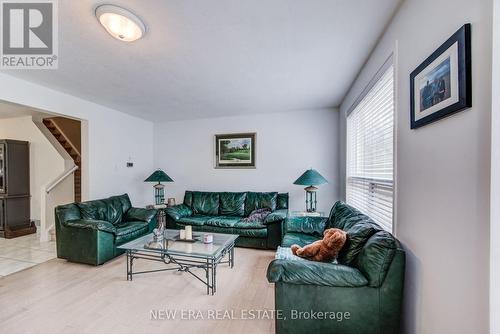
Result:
pixel 47 219
pixel 61 178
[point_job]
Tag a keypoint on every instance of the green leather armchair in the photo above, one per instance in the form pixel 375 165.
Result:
pixel 361 293
pixel 90 232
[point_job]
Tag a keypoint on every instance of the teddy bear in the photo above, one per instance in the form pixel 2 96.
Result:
pixel 325 250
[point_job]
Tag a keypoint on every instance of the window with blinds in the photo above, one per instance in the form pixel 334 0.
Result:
pixel 370 152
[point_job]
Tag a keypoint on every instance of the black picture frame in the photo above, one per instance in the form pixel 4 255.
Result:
pixel 249 138
pixel 464 85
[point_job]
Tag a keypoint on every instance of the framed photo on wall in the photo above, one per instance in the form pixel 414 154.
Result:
pixel 235 150
pixel 441 85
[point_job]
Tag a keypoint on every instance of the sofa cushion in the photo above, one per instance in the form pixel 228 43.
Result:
pixel 376 257
pixel 348 223
pixel 242 224
pixel 129 227
pixel 314 273
pixel 256 200
pixel 292 238
pixel 124 201
pixel 188 198
pixel 96 210
pixel 67 212
pixel 115 210
pixel 130 231
pixel 179 211
pixel 197 220
pixel 109 210
pixel 205 203
pixel 223 221
pixel 282 201
pixel 97 225
pixel 139 214
pixel 339 214
pixel 276 216
pixel 307 225
pixel 357 236
pixel 232 204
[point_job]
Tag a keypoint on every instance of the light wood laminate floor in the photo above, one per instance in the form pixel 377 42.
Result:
pixel 62 297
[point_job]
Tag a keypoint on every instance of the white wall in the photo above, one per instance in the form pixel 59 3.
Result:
pixel 287 145
pixel 495 179
pixel 443 170
pixel 45 162
pixel 109 139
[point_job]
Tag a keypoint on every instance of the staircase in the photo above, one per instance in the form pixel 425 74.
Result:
pixel 72 150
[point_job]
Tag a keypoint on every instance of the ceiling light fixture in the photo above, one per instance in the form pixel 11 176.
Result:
pixel 120 23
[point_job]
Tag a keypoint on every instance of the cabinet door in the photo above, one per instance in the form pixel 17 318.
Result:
pixel 2 168
pixel 17 161
pixel 2 214
pixel 17 213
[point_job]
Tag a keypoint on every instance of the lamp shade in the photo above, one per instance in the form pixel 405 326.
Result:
pixel 159 176
pixel 310 178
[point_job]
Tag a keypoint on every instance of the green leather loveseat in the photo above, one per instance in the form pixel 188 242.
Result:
pixel 89 232
pixel 224 212
pixel 361 294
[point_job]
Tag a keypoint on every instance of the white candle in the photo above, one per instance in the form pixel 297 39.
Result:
pixel 189 232
pixel 182 234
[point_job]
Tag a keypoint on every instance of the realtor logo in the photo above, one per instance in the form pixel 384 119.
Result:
pixel 29 34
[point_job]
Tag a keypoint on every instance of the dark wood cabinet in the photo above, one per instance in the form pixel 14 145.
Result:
pixel 15 189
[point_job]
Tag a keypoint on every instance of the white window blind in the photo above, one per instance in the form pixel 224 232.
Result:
pixel 370 152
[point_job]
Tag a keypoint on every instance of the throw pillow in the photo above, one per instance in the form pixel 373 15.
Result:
pixel 257 215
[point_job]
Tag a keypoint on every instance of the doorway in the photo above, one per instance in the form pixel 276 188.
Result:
pixel 54 173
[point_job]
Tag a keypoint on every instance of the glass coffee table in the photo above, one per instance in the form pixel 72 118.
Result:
pixel 184 256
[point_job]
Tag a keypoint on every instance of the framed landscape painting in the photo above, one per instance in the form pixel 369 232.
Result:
pixel 236 150
pixel 441 85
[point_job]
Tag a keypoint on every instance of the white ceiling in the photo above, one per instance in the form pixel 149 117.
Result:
pixel 216 58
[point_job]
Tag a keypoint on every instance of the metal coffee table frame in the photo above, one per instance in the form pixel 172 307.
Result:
pixel 184 263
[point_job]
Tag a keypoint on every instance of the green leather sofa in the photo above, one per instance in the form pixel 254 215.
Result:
pixel 89 232
pixel 362 293
pixel 222 212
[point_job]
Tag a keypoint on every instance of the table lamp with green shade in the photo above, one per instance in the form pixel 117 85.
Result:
pixel 311 178
pixel 159 176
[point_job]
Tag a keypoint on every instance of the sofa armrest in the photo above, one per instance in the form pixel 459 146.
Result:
pixel 179 211
pixel 140 214
pixel 96 225
pixel 314 273
pixel 276 216
pixel 307 225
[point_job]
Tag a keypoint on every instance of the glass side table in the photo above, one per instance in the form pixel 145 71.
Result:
pixel 307 214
